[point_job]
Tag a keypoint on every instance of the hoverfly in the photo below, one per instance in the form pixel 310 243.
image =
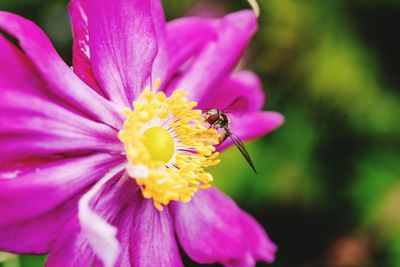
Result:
pixel 218 120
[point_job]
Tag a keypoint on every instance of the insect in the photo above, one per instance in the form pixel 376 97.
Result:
pixel 218 120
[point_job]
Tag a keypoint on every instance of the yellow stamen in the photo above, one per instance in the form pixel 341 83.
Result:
pixel 168 147
pixel 157 84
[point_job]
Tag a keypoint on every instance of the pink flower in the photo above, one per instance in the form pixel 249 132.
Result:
pixel 84 175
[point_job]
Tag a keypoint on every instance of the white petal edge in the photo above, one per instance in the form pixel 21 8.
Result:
pixel 137 171
pixel 101 235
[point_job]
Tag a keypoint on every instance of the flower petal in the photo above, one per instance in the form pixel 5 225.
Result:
pixel 36 236
pixel 145 234
pixel 32 123
pixel 241 84
pixel 34 126
pixel 124 223
pixel 100 234
pixel 161 61
pixel 112 204
pixel 253 125
pixel 34 190
pixel 18 147
pixel 208 227
pixel 80 50
pixel 218 58
pixel 71 248
pixel 212 229
pixel 153 241
pixel 16 69
pixel 123 46
pixel 259 244
pixel 184 43
pixel 61 81
pixel 78 10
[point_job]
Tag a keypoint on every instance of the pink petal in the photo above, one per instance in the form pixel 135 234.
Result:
pixel 19 147
pixel 60 80
pixel 185 43
pixel 78 10
pixel 36 236
pixel 152 241
pixel 212 229
pixel 208 227
pixel 34 126
pixel 80 50
pixel 123 45
pixel 253 125
pixel 124 223
pixel 161 61
pixel 145 234
pixel 16 68
pixel 33 123
pixel 112 203
pixel 259 244
pixel 24 112
pixel 33 190
pixel 71 248
pixel 100 234
pixel 124 198
pixel 218 58
pixel 241 84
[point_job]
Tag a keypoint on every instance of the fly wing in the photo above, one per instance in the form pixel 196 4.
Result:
pixel 239 144
pixel 238 106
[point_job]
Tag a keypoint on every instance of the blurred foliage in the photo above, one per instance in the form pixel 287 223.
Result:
pixel 328 188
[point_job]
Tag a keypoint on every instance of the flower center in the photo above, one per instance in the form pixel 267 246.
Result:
pixel 168 147
pixel 159 143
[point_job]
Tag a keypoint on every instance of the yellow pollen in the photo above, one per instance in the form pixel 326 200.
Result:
pixel 159 144
pixel 168 146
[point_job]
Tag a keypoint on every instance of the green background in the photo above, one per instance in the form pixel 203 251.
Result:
pixel 328 188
